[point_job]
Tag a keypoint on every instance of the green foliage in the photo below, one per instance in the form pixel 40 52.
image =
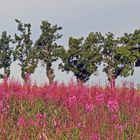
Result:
pixel 5 54
pixel 46 44
pixel 125 62
pixel 75 134
pixel 128 53
pixel 132 40
pixel 25 52
pixel 83 56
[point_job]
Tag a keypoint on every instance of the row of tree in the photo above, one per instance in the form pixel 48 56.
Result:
pixel 83 56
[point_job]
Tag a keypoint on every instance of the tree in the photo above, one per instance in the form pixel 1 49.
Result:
pixel 82 57
pixel 48 50
pixel 134 41
pixel 24 51
pixel 5 54
pixel 131 42
pixel 118 58
pixel 108 53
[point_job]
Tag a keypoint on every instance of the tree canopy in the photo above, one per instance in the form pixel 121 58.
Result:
pixel 5 54
pixel 83 56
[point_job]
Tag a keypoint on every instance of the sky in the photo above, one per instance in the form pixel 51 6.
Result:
pixel 78 18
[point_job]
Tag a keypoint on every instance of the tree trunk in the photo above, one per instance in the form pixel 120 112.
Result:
pixel 23 76
pixel 111 79
pixel 5 77
pixel 6 72
pixel 112 83
pixel 79 81
pixel 50 75
pixel 26 77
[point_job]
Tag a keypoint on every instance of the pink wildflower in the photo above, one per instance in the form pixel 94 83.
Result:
pixel 119 127
pixel 21 121
pixel 72 100
pixel 113 105
pixel 100 98
pixel 41 120
pixel 40 116
pixel 89 107
pixel 56 123
pixel 94 137
pixel 114 117
pixel 31 122
pixel 79 125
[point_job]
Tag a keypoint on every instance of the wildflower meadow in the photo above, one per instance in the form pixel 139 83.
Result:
pixel 68 112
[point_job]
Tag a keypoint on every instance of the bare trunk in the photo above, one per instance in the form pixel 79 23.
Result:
pixel 27 78
pixel 112 83
pixel 23 76
pixel 5 77
pixel 50 75
pixel 5 73
pixel 111 79
pixel 79 81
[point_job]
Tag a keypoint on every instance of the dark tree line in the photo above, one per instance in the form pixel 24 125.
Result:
pixel 83 56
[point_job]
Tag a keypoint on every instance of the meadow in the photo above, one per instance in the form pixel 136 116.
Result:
pixel 69 112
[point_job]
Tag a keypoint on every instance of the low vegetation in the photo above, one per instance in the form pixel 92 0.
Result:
pixel 68 112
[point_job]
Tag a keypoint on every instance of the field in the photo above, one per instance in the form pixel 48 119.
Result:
pixel 69 112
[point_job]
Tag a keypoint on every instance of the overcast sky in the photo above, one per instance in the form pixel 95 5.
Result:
pixel 77 17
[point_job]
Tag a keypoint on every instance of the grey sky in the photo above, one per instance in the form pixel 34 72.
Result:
pixel 77 17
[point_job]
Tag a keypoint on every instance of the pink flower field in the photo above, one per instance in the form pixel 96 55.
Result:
pixel 69 112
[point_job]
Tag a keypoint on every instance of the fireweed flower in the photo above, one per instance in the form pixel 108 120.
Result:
pixel 100 98
pixel 41 119
pixel 31 122
pixel 94 137
pixel 40 116
pixel 79 125
pixel 89 107
pixel 119 127
pixel 56 123
pixel 114 117
pixel 135 121
pixel 113 105
pixel 21 121
pixel 71 100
